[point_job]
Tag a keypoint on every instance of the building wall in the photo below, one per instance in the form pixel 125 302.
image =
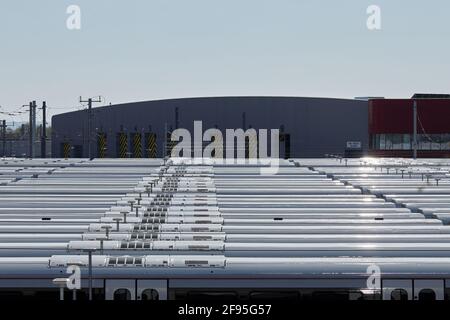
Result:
pixel 316 125
pixel 20 148
pixel 396 115
pixel 392 120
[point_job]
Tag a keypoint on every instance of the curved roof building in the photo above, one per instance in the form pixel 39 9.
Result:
pixel 309 127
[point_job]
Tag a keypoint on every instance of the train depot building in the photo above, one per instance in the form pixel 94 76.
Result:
pixel 308 127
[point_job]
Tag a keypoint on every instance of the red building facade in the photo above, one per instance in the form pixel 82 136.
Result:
pixel 391 127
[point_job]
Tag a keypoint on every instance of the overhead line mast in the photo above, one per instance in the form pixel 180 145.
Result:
pixel 89 110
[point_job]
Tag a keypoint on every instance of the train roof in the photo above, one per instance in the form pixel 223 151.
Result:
pixel 177 216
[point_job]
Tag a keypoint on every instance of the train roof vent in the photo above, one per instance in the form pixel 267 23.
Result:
pixel 124 261
pixel 197 261
pixel 135 245
pixel 81 260
pixel 84 245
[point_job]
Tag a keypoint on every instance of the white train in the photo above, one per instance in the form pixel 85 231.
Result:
pixel 193 229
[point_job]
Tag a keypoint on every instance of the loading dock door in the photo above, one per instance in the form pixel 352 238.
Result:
pixel 122 145
pixel 150 145
pixel 101 145
pixel 78 151
pixel 169 144
pixel 285 145
pixel 136 145
pixel 251 147
pixel 65 150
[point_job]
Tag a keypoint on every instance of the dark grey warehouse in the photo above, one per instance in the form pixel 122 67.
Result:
pixel 309 127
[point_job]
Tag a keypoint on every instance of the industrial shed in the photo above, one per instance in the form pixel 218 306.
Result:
pixel 309 127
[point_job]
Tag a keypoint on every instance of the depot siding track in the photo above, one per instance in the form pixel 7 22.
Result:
pixel 160 220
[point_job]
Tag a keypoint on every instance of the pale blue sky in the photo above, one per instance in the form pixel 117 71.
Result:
pixel 154 49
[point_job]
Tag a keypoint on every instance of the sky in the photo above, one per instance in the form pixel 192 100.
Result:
pixel 138 50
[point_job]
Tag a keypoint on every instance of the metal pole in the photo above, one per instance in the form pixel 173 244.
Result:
pixel 89 127
pixel 61 283
pixel 33 128
pixel 30 137
pixel 415 129
pixel 90 275
pixel 44 131
pixel 4 137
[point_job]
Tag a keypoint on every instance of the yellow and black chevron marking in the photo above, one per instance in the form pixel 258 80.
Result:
pixel 251 147
pixel 66 150
pixel 150 145
pixel 101 145
pixel 136 144
pixel 217 152
pixel 170 144
pixel 122 145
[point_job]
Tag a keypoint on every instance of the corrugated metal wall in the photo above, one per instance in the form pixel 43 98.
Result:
pixel 315 126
